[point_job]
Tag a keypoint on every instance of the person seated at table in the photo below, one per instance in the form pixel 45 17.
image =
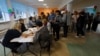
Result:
pixel 46 23
pixel 42 29
pixel 31 22
pixel 41 34
pixel 12 33
pixel 23 28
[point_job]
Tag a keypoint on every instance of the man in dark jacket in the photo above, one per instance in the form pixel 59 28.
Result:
pixel 81 24
pixel 96 21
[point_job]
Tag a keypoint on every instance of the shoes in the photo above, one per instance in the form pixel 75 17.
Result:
pixel 56 39
pixel 14 51
pixel 53 34
pixel 64 36
pixel 83 36
pixel 77 36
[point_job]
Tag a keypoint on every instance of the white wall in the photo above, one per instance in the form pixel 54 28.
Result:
pixel 9 24
pixel 69 7
pixel 64 2
pixel 86 3
pixel 4 25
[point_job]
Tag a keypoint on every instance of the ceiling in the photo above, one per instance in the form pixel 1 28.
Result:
pixel 36 3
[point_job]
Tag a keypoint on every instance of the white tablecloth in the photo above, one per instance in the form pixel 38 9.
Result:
pixel 28 39
pixel 22 39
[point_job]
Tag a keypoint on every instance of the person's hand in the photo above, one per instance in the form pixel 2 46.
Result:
pixel 24 35
pixel 31 34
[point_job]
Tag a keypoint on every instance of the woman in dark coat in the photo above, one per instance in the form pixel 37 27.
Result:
pixel 15 32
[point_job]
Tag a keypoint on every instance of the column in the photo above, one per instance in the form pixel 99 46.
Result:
pixel 69 7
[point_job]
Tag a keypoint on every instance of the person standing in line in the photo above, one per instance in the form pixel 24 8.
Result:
pixel 80 24
pixel 51 20
pixel 96 21
pixel 75 16
pixel 87 15
pixel 68 20
pixel 43 15
pixel 47 16
pixel 57 24
pixel 90 20
pixel 64 23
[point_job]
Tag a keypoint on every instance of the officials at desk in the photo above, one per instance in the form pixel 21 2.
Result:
pixel 16 32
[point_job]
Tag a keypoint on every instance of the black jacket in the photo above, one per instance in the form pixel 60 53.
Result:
pixel 11 34
pixel 81 20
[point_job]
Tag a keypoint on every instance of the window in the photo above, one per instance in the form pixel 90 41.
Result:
pixel 1 16
pixel 19 14
pixel 4 16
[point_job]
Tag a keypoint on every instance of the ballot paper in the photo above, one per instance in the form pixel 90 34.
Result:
pixel 33 29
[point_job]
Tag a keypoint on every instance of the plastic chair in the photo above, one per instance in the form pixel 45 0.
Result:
pixel 44 41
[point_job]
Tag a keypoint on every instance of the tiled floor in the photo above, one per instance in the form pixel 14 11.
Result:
pixel 2 51
pixel 90 48
pixel 71 46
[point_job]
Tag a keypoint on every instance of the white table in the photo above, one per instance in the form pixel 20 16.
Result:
pixel 22 39
pixel 28 39
pixel 25 40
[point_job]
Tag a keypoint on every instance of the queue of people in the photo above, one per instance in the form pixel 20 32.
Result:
pixel 77 22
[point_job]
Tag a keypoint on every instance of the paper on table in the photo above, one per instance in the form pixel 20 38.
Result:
pixel 33 29
pixel 22 39
pixel 28 39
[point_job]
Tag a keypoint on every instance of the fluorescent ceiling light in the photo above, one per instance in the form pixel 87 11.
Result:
pixel 45 4
pixel 40 0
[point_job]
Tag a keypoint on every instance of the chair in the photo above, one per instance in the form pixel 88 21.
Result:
pixel 44 45
pixel 44 41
